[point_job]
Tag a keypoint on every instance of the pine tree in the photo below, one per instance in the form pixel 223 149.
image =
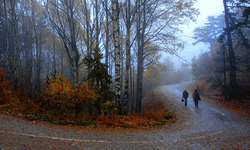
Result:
pixel 100 79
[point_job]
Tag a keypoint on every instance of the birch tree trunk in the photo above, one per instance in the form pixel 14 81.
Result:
pixel 128 61
pixel 116 36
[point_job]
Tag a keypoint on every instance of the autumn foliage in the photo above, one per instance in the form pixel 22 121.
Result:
pixel 59 100
pixel 60 97
pixel 154 108
pixel 4 84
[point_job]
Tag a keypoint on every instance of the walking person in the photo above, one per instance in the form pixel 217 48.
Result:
pixel 196 97
pixel 185 96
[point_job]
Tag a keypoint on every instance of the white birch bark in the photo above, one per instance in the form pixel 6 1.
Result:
pixel 116 36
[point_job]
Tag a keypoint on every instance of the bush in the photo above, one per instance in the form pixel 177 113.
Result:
pixel 4 88
pixel 60 97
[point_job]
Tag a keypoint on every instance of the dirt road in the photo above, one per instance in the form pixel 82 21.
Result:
pixel 205 127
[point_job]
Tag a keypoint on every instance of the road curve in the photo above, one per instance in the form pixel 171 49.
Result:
pixel 205 127
pixel 209 126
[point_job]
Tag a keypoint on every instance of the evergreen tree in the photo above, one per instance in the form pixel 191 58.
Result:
pixel 210 32
pixel 100 79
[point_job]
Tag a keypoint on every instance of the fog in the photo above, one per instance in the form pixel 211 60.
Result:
pixel 206 8
pixel 39 41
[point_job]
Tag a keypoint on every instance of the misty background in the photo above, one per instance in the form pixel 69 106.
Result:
pixel 206 8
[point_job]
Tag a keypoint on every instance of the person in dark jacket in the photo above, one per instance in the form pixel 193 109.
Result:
pixel 185 96
pixel 196 97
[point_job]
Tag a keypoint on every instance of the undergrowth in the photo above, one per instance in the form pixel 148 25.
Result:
pixel 57 102
pixel 154 113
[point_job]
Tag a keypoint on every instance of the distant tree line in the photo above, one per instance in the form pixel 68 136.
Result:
pixel 227 63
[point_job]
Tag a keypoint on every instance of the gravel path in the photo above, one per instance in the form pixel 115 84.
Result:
pixel 205 127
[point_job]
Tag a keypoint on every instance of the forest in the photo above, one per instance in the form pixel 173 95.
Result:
pixel 60 58
pixel 69 59
pixel 222 72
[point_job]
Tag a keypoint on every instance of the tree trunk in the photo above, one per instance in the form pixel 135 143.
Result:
pixel 97 23
pixel 128 55
pixel 233 79
pixel 107 35
pixel 141 43
pixel 139 80
pixel 54 51
pixel 88 42
pixel 62 60
pixel 122 79
pixel 14 30
pixel 132 90
pixel 116 36
pixel 75 65
pixel 224 70
pixel 139 72
pixel 48 66
pixel 74 49
pixel 38 83
pixel 7 51
pixel 128 61
pixel 37 46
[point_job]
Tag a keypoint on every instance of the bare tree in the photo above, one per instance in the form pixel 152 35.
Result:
pixel 38 27
pixel 129 16
pixel 5 25
pixel 14 25
pixel 157 22
pixel 67 27
pixel 88 28
pixel 97 29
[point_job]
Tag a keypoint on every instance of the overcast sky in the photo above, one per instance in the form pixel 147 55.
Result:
pixel 206 8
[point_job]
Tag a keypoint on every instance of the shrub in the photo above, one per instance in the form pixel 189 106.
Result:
pixel 61 98
pixel 4 88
